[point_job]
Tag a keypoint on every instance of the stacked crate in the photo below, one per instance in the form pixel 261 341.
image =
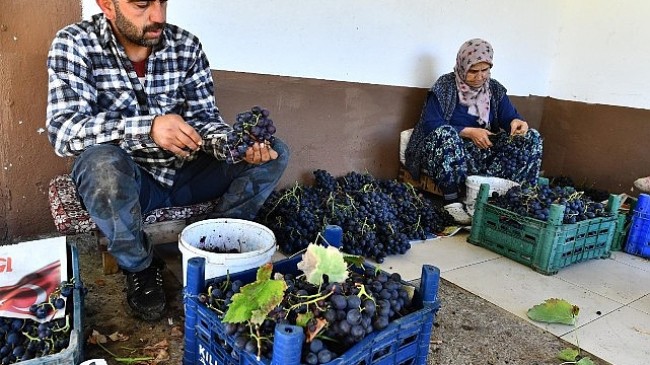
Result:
pixel 638 239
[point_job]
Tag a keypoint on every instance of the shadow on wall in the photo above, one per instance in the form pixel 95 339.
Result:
pixel 425 69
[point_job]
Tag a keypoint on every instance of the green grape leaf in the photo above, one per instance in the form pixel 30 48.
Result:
pixel 257 299
pixel 554 311
pixel 585 361
pixel 357 261
pixel 318 261
pixel 568 354
pixel 303 318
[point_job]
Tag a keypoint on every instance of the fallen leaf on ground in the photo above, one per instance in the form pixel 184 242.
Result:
pixel 176 332
pixel 96 337
pixel 118 337
pixel 164 344
pixel 162 355
pixel 554 310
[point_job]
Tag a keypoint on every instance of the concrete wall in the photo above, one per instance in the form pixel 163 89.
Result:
pixel 26 158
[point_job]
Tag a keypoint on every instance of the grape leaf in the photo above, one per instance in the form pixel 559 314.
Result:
pixel 318 261
pixel 410 290
pixel 357 261
pixel 568 354
pixel 256 300
pixel 311 335
pixel 554 311
pixel 585 361
pixel 303 318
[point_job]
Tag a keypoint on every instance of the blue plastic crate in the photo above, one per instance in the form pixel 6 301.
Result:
pixel 73 354
pixel 404 341
pixel 638 239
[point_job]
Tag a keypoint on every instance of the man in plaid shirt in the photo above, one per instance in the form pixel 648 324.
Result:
pixel 132 98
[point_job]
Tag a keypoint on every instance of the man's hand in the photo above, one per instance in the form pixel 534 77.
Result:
pixel 518 127
pixel 260 153
pixel 480 136
pixel 173 134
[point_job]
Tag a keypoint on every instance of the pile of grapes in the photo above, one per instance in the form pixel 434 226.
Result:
pixel 598 195
pixel 249 127
pixel 25 339
pixel 378 217
pixel 535 202
pixel 340 314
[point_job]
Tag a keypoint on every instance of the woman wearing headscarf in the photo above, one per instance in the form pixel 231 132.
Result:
pixel 468 126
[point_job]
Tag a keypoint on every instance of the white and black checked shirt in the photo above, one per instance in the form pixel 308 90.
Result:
pixel 95 95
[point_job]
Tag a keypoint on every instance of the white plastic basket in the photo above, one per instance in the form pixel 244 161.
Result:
pixel 473 184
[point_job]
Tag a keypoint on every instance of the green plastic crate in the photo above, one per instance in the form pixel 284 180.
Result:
pixel 546 247
pixel 623 220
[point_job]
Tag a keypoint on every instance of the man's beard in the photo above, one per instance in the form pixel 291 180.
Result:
pixel 135 35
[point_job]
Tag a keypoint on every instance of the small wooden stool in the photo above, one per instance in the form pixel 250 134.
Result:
pixel 424 183
pixel 71 218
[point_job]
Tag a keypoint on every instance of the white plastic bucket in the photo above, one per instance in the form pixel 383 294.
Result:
pixel 254 242
pixel 473 184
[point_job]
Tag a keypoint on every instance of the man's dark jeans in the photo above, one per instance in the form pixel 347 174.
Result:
pixel 116 191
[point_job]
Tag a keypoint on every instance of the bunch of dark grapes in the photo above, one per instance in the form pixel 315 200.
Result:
pixel 514 156
pixel 378 217
pixel 595 194
pixel 25 339
pixel 535 202
pixel 340 314
pixel 249 127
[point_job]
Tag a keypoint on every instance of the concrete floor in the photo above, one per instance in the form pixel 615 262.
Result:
pixel 613 294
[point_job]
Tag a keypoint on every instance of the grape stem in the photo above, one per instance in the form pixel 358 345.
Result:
pixel 314 300
pixel 362 291
pixel 290 193
pixel 125 360
pixel 65 328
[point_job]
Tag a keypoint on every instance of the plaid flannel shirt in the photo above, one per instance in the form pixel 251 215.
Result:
pixel 95 95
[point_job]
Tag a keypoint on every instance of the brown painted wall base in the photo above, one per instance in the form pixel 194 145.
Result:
pixel 600 145
pixel 335 126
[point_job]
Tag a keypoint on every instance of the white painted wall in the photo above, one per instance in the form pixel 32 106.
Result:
pixel 602 54
pixel 539 44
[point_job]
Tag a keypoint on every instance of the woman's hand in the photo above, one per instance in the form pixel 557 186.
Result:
pixel 480 136
pixel 518 127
